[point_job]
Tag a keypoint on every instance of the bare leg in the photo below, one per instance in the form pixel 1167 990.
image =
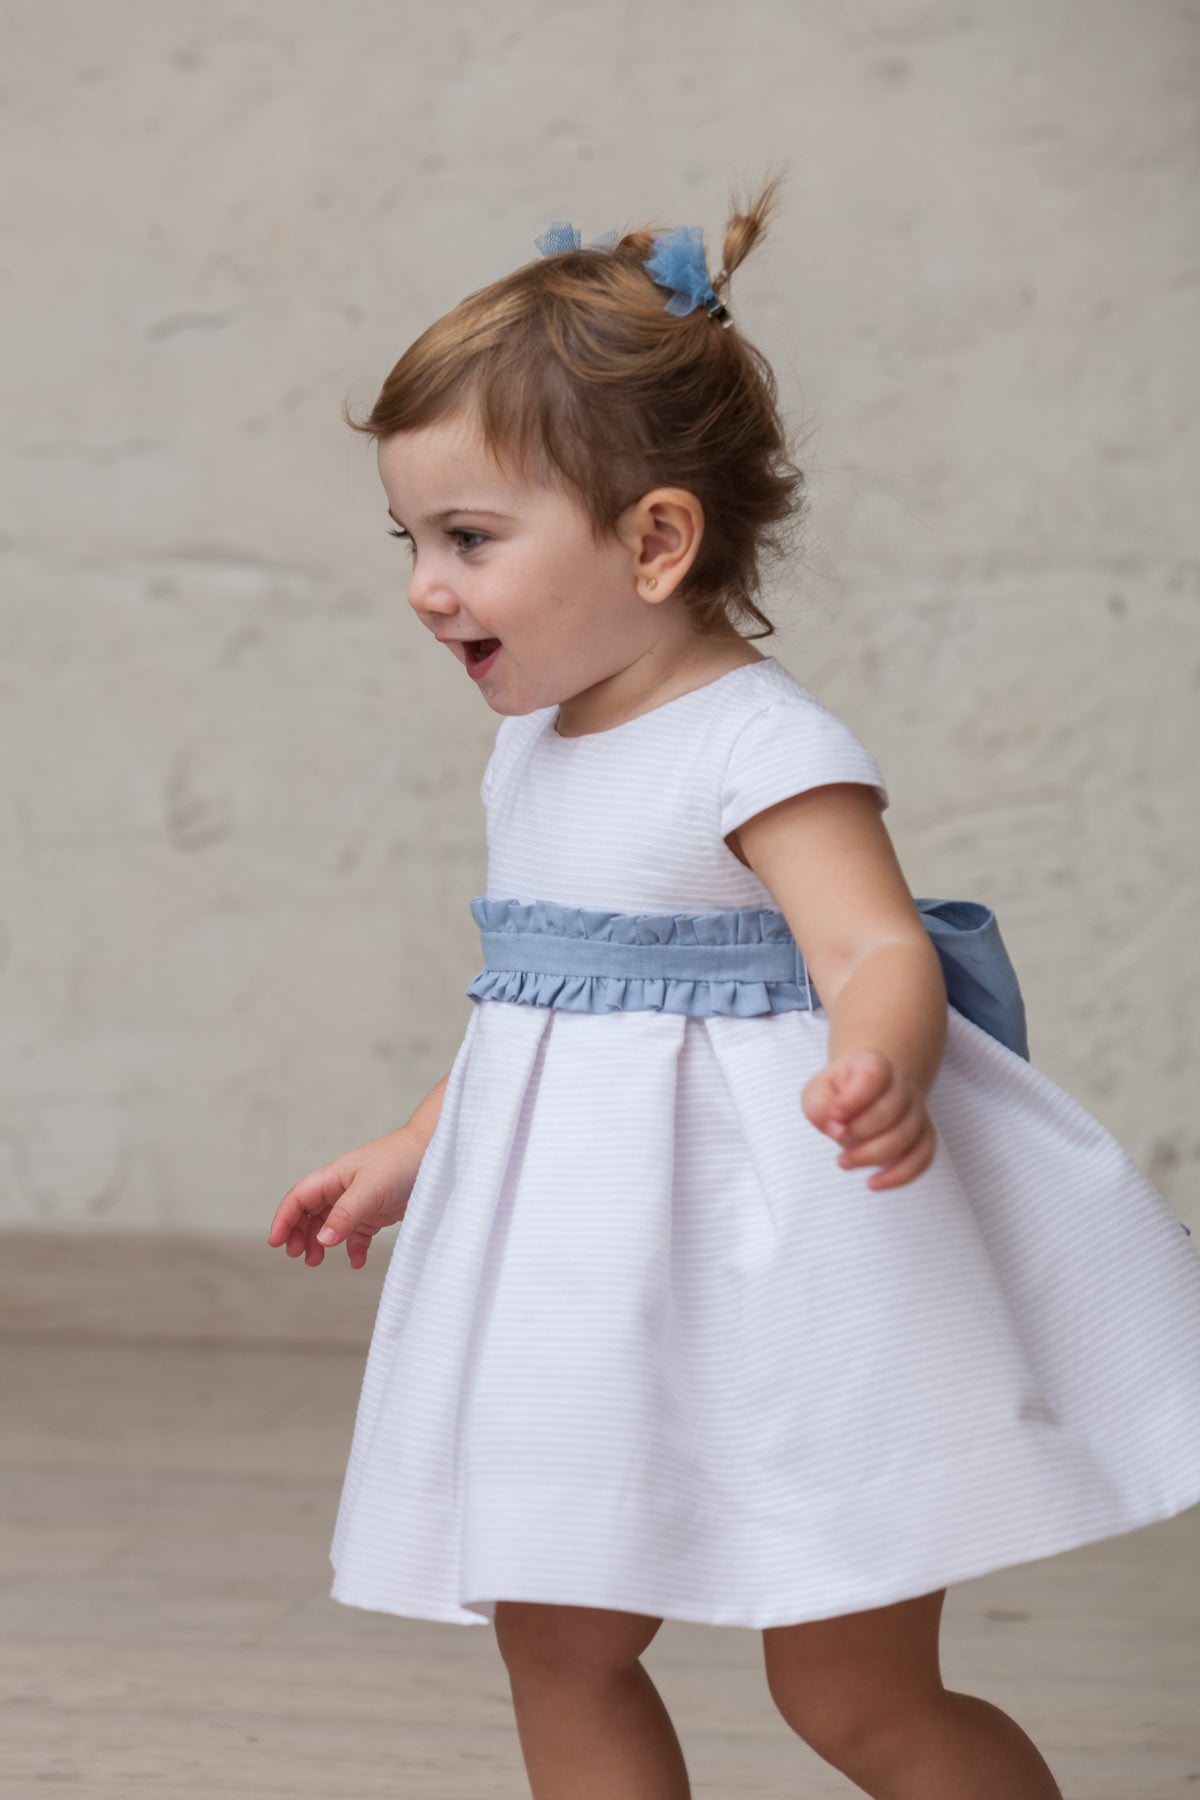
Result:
pixel 965 1748
pixel 591 1722
pixel 865 1691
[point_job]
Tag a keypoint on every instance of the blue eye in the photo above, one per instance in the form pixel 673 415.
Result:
pixel 459 533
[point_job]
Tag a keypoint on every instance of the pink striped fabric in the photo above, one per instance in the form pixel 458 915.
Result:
pixel 643 1345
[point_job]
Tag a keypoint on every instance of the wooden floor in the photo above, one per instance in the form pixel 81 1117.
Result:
pixel 176 1420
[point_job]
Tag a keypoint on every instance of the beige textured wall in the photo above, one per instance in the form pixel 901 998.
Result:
pixel 240 821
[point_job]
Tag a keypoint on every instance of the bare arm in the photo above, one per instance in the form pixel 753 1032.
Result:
pixel 424 1121
pixel 359 1193
pixel 894 1001
pixel 826 856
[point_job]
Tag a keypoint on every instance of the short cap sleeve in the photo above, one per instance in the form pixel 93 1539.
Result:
pixel 786 749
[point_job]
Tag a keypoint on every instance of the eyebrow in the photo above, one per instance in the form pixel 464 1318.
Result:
pixel 483 512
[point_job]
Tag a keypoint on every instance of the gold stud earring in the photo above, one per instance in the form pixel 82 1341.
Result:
pixel 653 582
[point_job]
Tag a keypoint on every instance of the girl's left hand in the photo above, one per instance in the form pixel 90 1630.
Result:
pixel 877 1114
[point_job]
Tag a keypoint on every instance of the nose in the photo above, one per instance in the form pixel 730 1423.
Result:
pixel 430 599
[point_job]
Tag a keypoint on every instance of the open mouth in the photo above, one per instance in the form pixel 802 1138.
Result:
pixel 479 649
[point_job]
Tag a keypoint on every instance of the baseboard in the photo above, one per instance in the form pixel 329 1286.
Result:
pixel 158 1287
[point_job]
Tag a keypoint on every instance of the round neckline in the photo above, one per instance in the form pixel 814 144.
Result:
pixel 582 737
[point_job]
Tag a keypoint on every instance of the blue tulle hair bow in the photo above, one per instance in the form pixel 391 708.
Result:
pixel 562 235
pixel 678 263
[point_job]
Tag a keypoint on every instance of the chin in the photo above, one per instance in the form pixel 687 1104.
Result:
pixel 514 712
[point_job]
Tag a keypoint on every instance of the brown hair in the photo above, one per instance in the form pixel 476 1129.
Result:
pixel 582 380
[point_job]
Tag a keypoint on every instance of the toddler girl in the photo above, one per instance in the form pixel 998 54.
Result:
pixel 750 1274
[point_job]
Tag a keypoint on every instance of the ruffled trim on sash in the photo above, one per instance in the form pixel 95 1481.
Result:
pixel 738 996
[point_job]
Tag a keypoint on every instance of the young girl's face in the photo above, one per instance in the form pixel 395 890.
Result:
pixel 497 560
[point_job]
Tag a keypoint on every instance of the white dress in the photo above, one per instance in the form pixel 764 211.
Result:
pixel 642 1344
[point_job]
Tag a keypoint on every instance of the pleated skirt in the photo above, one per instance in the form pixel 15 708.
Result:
pixel 643 1345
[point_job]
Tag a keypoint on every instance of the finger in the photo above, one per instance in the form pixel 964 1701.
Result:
pixel 281 1225
pixel 829 1101
pixel 320 1189
pixel 314 1252
pixel 888 1146
pixel 859 1077
pixel 892 1105
pixel 310 1197
pixel 883 1150
pixel 288 1214
pixel 817 1096
pixel 353 1207
pixel 909 1167
pixel 300 1236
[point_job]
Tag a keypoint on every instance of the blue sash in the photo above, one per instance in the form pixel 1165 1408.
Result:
pixel 743 961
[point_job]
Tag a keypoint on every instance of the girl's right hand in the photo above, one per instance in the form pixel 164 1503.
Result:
pixel 354 1196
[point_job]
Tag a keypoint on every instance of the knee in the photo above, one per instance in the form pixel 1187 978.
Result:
pixel 569 1643
pixel 852 1727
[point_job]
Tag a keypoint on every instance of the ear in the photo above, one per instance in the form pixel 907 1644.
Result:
pixel 662 532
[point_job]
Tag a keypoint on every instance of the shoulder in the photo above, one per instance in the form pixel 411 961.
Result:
pixel 765 687
pixel 771 685
pixel 782 740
